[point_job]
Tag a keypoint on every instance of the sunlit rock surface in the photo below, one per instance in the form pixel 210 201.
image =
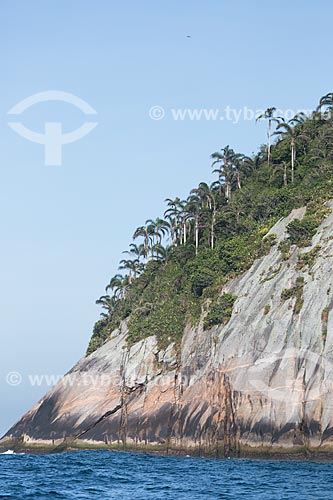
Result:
pixel 264 379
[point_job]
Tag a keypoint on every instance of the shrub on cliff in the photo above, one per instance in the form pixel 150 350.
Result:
pixel 220 310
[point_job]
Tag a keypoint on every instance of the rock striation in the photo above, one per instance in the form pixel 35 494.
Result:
pixel 262 381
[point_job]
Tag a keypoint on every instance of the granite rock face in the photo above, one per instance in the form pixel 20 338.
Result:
pixel 262 380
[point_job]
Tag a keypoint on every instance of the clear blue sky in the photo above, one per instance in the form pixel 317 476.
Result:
pixel 63 228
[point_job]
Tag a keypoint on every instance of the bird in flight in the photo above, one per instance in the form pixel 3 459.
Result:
pixel 188 36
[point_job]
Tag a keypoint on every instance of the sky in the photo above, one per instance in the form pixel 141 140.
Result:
pixel 64 227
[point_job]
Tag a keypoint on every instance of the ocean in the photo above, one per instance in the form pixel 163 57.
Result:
pixel 128 476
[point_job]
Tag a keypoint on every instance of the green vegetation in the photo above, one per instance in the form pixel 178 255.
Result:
pixel 324 321
pixel 272 273
pixel 295 291
pixel 288 293
pixel 101 332
pixel 284 247
pixel 308 259
pixel 220 310
pixel 302 231
pixel 180 262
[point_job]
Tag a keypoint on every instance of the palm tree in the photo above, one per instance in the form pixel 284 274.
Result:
pixel 299 118
pixel 185 227
pixel 207 196
pixel 115 283
pixel 213 196
pixel 287 131
pixel 231 215
pixel 135 250
pixel 322 153
pixel 281 168
pixel 133 266
pixel 269 115
pixel 327 102
pixel 107 303
pixel 203 193
pixel 174 215
pixel 254 162
pixel 285 179
pixel 193 210
pixel 146 232
pixel 124 286
pixel 226 169
pixel 160 252
pixel 292 130
pixel 243 166
pixel 158 228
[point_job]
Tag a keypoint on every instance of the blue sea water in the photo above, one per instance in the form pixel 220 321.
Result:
pixel 127 476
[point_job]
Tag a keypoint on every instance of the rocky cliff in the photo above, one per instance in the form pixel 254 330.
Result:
pixel 263 380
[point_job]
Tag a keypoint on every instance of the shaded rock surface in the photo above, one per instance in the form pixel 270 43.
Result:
pixel 264 379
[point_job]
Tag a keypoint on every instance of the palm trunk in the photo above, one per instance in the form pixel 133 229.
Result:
pixel 238 180
pixel 172 234
pixel 269 142
pixel 220 188
pixel 147 247
pixel 212 229
pixel 196 234
pixel 293 157
pixel 228 191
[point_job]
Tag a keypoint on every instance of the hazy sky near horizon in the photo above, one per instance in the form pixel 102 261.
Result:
pixel 64 227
